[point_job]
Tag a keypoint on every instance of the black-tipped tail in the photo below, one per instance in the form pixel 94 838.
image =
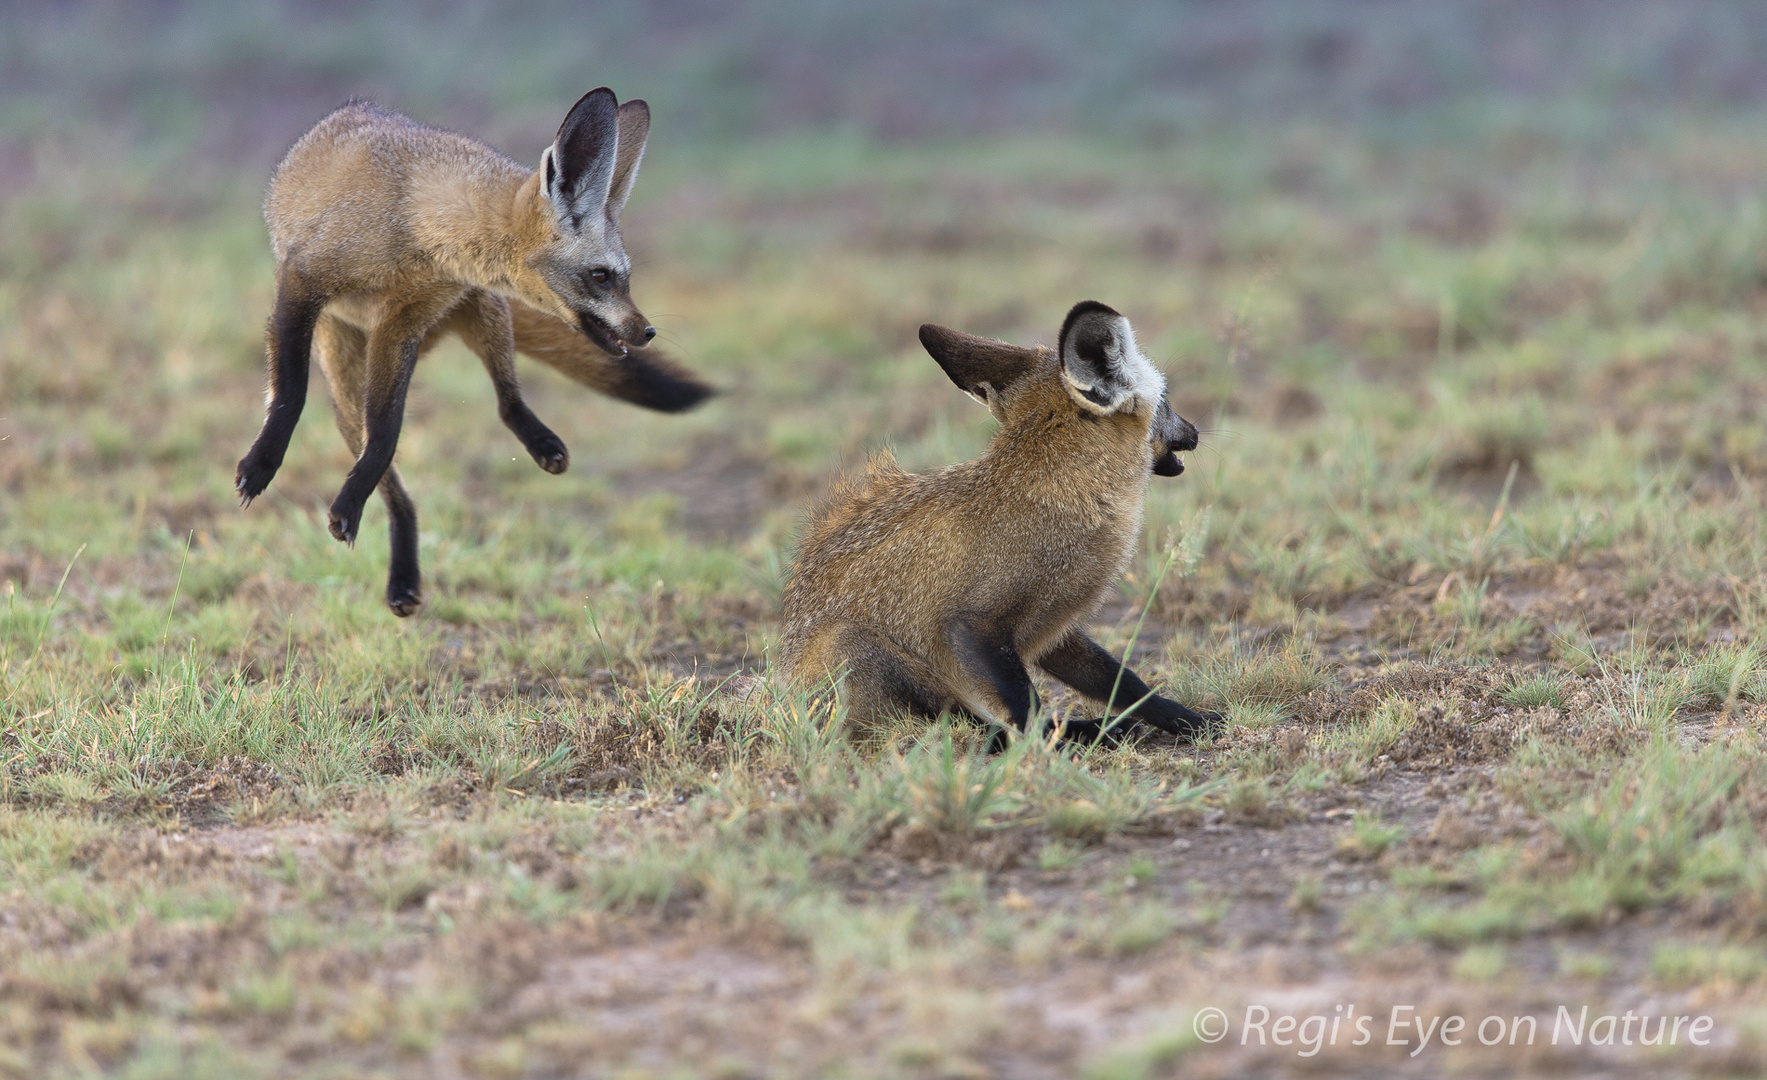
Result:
pixel 655 383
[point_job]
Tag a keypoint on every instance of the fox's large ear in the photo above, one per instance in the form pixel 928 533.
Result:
pixel 578 168
pixel 978 365
pixel 1102 364
pixel 634 123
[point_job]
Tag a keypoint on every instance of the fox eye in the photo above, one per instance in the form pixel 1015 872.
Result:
pixel 599 276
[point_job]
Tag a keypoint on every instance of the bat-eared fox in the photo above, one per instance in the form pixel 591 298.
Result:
pixel 932 593
pixel 389 235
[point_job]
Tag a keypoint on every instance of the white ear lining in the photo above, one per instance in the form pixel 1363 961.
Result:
pixel 586 205
pixel 1137 377
pixel 1078 391
pixel 1145 380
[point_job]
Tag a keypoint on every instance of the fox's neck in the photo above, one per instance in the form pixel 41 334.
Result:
pixel 1080 459
pixel 478 233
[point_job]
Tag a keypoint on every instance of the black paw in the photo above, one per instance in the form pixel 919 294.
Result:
pixel 550 453
pixel 252 477
pixel 1100 732
pixel 1180 721
pixel 404 599
pixel 1198 724
pixel 344 522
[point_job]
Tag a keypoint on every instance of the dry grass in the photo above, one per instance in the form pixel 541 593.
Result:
pixel 1472 559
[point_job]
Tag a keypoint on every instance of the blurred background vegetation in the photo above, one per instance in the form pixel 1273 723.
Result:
pixel 1386 250
pixel 236 82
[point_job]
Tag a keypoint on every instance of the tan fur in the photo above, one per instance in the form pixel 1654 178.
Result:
pixel 372 206
pixel 1029 537
pixel 387 215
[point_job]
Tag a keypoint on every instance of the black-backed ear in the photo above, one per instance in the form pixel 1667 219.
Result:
pixel 976 364
pixel 1103 366
pixel 578 167
pixel 634 124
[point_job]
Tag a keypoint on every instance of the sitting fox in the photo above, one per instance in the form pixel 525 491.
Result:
pixel 931 593
pixel 389 235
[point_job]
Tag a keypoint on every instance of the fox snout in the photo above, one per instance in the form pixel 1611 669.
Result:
pixel 632 332
pixel 1172 435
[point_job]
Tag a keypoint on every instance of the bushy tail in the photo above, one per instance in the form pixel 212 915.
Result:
pixel 645 378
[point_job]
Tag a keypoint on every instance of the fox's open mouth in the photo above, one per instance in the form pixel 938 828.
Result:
pixel 1168 465
pixel 603 335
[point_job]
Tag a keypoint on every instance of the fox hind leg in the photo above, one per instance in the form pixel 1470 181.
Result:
pixel 384 413
pixel 342 350
pixel 393 346
pixel 482 320
pixel 404 578
pixel 879 678
pixel 290 345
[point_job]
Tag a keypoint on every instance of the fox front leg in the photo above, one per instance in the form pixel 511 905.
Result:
pixel 1009 697
pixel 998 678
pixel 393 346
pixel 1085 665
pixel 290 351
pixel 483 322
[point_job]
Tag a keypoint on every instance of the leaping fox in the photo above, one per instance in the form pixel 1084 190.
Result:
pixel 388 235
